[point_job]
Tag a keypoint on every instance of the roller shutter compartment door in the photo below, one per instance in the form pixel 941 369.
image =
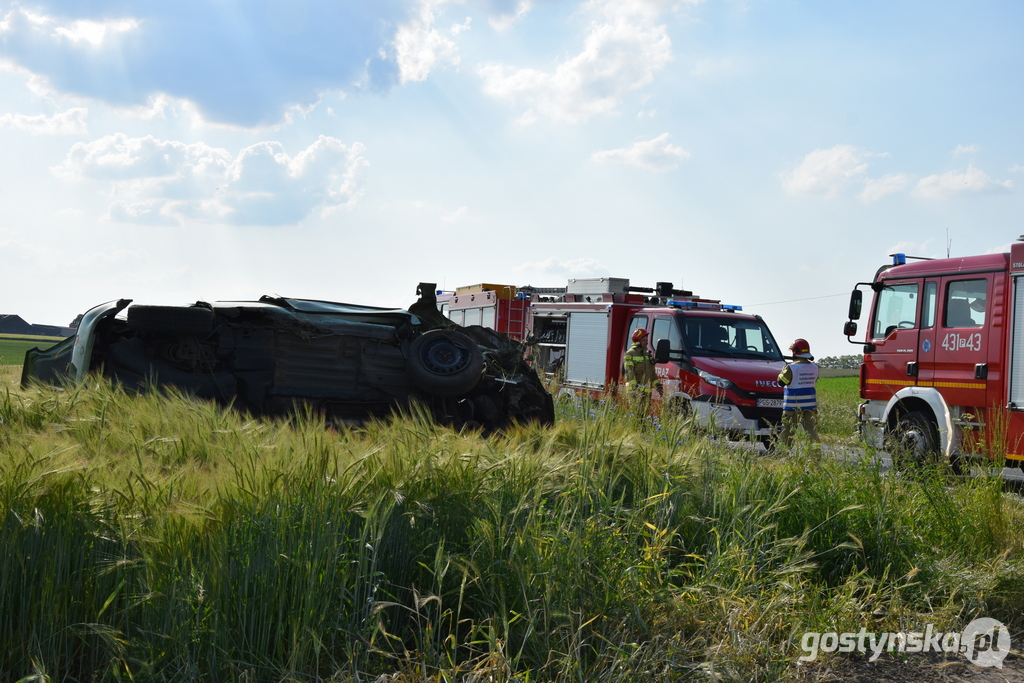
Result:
pixel 1017 346
pixel 587 349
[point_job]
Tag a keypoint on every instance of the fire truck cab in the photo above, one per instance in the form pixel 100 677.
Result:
pixel 943 366
pixel 712 359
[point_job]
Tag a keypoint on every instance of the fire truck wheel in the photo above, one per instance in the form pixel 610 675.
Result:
pixel 678 406
pixel 445 363
pixel 914 441
pixel 170 319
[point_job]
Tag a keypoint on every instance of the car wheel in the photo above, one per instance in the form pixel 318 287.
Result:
pixel 445 363
pixel 914 441
pixel 170 319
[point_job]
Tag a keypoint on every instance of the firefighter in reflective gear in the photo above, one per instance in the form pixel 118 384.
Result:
pixel 639 371
pixel 799 401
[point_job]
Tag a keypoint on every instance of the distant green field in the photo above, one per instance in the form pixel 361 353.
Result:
pixel 14 346
pixel 837 405
pixel 31 337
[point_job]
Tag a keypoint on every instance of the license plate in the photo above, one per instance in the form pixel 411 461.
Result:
pixel 769 403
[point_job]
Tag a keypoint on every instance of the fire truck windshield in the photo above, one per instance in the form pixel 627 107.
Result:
pixel 729 338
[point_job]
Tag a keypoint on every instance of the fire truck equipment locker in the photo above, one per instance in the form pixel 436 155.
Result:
pixel 587 349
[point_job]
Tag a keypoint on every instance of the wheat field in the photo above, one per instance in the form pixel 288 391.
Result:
pixel 158 538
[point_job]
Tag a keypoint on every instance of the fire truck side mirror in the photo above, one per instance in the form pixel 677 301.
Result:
pixel 850 328
pixel 662 350
pixel 856 299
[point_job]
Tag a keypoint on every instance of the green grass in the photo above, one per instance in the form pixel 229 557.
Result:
pixel 838 398
pixel 14 346
pixel 158 538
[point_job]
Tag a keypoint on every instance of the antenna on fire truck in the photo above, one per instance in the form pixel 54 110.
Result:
pixel 949 243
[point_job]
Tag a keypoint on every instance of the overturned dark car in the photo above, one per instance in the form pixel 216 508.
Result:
pixel 277 355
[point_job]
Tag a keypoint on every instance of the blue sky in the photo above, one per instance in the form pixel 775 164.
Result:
pixel 769 153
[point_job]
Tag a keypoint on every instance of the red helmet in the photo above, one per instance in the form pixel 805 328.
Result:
pixel 800 346
pixel 638 334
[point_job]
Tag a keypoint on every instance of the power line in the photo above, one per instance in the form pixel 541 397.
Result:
pixel 810 298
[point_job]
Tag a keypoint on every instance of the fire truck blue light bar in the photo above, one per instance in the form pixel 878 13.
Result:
pixel 704 304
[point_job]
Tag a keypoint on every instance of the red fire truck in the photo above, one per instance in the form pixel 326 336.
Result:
pixel 712 359
pixel 943 368
pixel 498 307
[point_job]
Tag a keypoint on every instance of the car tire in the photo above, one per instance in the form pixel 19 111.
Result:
pixel 170 319
pixel 445 363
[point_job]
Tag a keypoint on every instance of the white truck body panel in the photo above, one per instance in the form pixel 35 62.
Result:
pixel 587 349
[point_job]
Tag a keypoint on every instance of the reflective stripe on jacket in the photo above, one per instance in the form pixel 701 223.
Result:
pixel 638 368
pixel 800 393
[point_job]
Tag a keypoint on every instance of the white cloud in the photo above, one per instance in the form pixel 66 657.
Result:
pixel 200 53
pixel 958 183
pixel 69 122
pixel 1016 168
pixel 657 154
pixel 95 32
pixel 825 171
pixel 505 20
pixel 118 157
pixel 455 216
pixel 76 31
pixel 36 84
pixel 915 248
pixel 965 149
pixel 169 182
pixel 876 188
pixel 554 266
pixel 420 47
pixel 624 49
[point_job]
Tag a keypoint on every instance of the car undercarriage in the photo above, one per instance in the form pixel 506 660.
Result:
pixel 277 355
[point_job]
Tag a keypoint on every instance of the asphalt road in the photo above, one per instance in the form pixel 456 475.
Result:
pixel 1013 476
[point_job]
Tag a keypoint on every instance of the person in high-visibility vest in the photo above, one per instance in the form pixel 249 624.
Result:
pixel 639 370
pixel 800 399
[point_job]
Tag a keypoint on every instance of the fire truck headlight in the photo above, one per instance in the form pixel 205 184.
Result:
pixel 714 380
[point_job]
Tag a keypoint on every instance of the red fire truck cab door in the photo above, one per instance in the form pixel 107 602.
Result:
pixel 963 341
pixel 893 364
pixel 928 329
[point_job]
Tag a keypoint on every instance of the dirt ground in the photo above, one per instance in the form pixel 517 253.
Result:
pixel 913 669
